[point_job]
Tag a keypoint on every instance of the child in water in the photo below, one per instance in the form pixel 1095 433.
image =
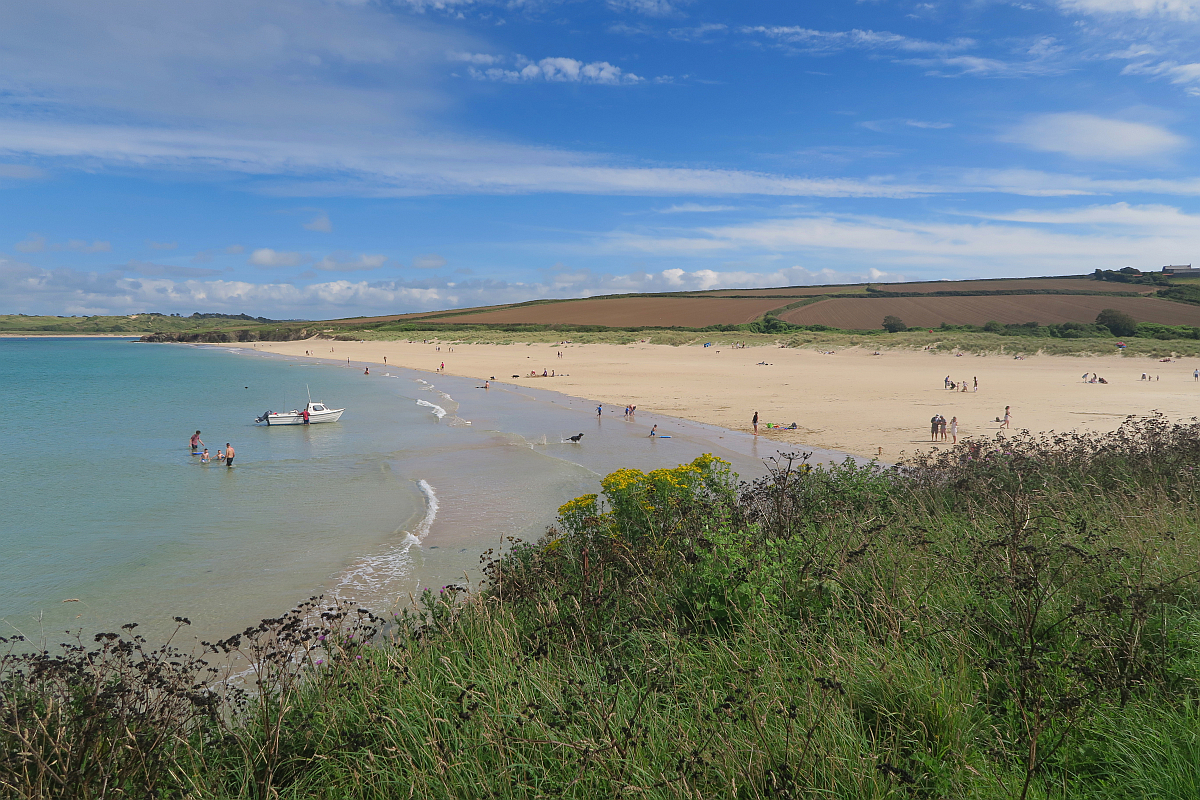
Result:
pixel 204 459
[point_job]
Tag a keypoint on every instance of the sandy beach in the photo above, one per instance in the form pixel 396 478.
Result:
pixel 850 400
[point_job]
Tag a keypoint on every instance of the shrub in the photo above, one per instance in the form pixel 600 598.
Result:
pixel 1120 323
pixel 893 324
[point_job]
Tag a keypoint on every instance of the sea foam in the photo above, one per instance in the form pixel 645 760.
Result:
pixel 438 411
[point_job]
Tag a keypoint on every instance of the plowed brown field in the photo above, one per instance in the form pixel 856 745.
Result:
pixel 929 312
pixel 790 291
pixel 1019 284
pixel 618 312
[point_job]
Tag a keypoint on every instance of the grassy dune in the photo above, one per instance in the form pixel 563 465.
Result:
pixel 1013 618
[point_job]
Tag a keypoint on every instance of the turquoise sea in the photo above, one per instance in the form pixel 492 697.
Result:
pixel 107 518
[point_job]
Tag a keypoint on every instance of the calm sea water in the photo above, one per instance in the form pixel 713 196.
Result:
pixel 106 517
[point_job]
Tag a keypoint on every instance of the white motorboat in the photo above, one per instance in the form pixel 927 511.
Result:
pixel 311 415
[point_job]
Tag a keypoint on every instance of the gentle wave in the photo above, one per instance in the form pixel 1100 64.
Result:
pixel 385 573
pixel 431 509
pixel 438 411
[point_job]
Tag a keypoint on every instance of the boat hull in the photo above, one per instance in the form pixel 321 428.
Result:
pixel 314 417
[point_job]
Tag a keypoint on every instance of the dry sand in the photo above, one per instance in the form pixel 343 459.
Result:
pixel 850 400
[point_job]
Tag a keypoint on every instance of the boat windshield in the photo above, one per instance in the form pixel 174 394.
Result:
pixel 318 408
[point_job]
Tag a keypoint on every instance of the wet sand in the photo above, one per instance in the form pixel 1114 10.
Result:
pixel 850 400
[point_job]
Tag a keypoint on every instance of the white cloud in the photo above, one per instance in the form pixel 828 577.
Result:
pixel 1150 219
pixel 698 33
pixel 693 208
pixel 815 41
pixel 33 243
pixel 1059 242
pixel 429 261
pixel 389 166
pixel 161 245
pixel 319 223
pixel 343 262
pixel 558 70
pixel 479 59
pixel 1089 137
pixel 266 257
pixel 1179 9
pixel 881 125
pixel 1186 75
pixel 651 8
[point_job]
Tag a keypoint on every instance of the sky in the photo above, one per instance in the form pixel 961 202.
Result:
pixel 326 158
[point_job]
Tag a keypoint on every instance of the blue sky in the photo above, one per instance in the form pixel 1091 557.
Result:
pixel 308 158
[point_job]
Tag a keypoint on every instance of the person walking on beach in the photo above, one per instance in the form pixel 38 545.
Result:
pixel 954 429
pixel 1007 417
pixel 977 384
pixel 754 422
pixel 599 410
pixel 654 432
pixel 229 454
pixel 196 441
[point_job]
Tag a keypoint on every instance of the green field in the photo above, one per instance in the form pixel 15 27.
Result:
pixel 130 324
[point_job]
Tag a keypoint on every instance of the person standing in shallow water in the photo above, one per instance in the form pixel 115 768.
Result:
pixel 229 454
pixel 195 440
pixel 754 422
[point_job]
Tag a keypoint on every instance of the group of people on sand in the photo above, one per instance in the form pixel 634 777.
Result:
pixel 1094 378
pixel 939 429
pixel 222 456
pixel 960 386
pixel 629 411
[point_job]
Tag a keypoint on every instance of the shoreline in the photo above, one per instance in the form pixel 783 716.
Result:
pixel 848 400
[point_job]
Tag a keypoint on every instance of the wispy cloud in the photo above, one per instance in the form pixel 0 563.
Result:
pixel 429 261
pixel 698 33
pixel 809 40
pixel 880 125
pixel 266 257
pixel 319 223
pixel 1060 242
pixel 345 262
pixel 1185 75
pixel 161 245
pixel 558 70
pixel 152 270
pixel 1177 9
pixel 36 243
pixel 694 208
pixel 1089 137
pixel 651 8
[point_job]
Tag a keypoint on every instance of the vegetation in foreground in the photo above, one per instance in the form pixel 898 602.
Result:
pixel 1014 618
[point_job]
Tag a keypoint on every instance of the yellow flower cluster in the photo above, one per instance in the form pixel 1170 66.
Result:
pixel 580 505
